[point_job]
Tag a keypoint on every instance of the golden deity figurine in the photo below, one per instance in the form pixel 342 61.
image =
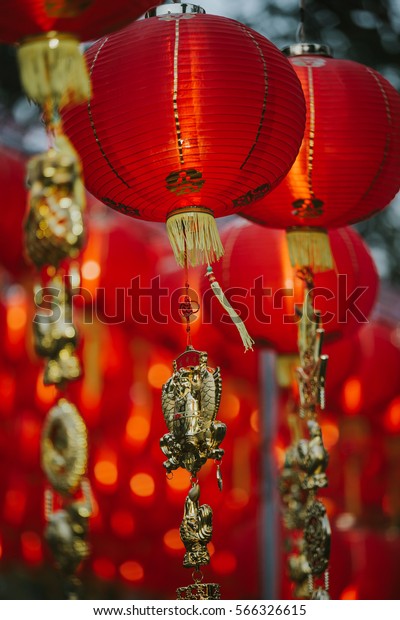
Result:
pixel 190 402
pixel 55 335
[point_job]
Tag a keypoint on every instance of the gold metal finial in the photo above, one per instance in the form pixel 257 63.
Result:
pixel 174 9
pixel 308 49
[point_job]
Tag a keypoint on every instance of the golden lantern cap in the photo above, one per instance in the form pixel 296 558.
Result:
pixel 307 49
pixel 174 9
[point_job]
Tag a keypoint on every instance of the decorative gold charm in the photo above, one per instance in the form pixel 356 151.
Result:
pixel 311 373
pixel 292 495
pixel 54 226
pixel 199 592
pixel 317 537
pixel 196 530
pixel 64 447
pixel 313 458
pixel 67 530
pixel 306 460
pixel 320 595
pixel 190 402
pixel 299 571
pixel 55 334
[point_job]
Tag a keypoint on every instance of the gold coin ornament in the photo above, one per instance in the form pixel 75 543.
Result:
pixel 64 447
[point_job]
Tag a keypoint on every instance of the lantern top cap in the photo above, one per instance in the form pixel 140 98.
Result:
pixel 303 49
pixel 174 9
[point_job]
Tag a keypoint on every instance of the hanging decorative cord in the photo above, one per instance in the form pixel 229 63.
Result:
pixel 190 403
pixel 301 34
pixel 306 460
pixel 220 295
pixel 54 234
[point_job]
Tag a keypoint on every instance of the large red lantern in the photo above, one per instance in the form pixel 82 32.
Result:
pixel 193 116
pixel 348 167
pixel 263 288
pixel 49 32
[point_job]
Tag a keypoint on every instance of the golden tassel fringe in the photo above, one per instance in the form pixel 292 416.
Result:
pixel 310 247
pixel 53 70
pixel 194 237
pixel 219 293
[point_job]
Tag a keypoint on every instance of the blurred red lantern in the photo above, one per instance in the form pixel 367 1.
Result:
pixel 192 116
pixel 348 167
pixel 12 179
pixel 119 268
pixel 48 33
pixel 266 291
pixel 86 19
pixel 375 377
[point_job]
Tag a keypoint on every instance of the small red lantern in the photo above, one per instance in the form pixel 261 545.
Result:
pixel 266 291
pixel 49 32
pixel 348 167
pixel 192 116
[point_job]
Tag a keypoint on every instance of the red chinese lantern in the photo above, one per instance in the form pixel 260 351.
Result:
pixel 348 167
pixel 49 32
pixel 193 116
pixel 263 287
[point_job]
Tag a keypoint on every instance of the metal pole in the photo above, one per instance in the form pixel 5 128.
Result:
pixel 270 532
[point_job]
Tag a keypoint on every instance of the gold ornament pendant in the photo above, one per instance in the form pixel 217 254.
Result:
pixel 190 403
pixel 54 227
pixel 55 335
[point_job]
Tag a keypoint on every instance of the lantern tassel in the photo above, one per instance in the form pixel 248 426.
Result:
pixel 310 247
pixel 194 236
pixel 219 294
pixel 53 70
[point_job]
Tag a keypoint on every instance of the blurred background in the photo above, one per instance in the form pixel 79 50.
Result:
pixel 136 549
